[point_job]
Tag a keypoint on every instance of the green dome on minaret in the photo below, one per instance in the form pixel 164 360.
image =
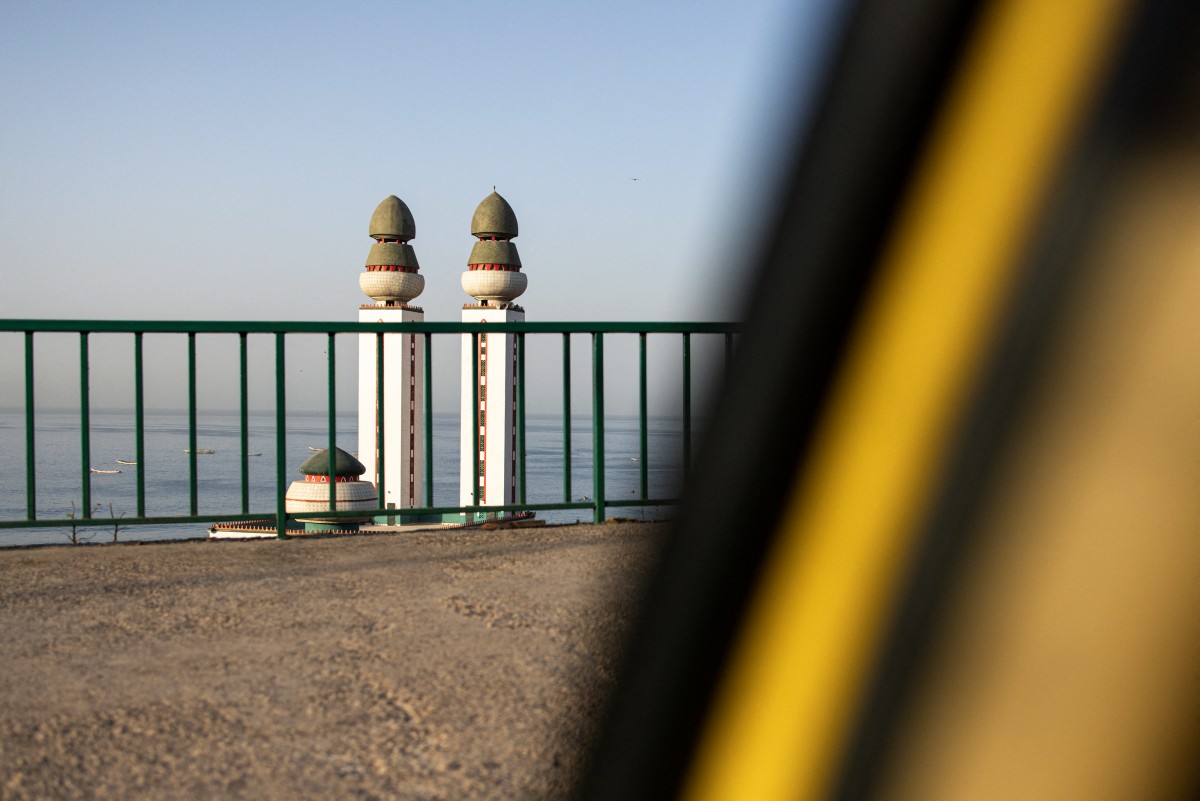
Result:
pixel 343 464
pixel 393 220
pixel 392 254
pixel 494 218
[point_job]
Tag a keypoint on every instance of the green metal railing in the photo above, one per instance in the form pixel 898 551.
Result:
pixel 598 503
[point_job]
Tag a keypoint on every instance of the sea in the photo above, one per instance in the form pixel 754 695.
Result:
pixel 58 467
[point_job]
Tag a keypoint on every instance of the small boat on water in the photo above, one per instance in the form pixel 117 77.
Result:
pixel 105 472
pixel 198 450
pixel 122 461
pixel 254 454
pixel 311 448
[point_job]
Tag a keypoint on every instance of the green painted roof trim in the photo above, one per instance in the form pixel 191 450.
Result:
pixel 343 464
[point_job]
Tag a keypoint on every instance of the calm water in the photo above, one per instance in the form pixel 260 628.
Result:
pixel 219 478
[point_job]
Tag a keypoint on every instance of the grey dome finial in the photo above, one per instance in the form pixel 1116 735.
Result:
pixel 392 220
pixel 494 218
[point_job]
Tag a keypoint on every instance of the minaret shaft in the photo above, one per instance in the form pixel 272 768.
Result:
pixel 495 412
pixel 402 413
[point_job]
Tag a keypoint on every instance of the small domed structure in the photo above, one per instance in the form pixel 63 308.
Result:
pixel 392 276
pixel 311 495
pixel 494 267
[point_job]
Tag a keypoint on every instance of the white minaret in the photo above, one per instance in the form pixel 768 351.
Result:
pixel 494 279
pixel 392 280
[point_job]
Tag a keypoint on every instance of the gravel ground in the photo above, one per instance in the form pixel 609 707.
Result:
pixel 447 665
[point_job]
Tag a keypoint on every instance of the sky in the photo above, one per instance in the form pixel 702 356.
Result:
pixel 168 160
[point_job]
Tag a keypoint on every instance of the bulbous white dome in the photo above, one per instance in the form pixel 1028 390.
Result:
pixel 498 285
pixel 389 286
pixel 312 498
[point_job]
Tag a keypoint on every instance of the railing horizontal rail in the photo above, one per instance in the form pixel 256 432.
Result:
pixel 270 516
pixel 299 327
pixel 108 522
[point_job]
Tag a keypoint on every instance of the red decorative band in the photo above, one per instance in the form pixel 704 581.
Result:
pixel 325 479
pixel 508 268
pixel 390 268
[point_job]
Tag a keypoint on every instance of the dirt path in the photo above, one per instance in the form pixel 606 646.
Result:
pixel 466 664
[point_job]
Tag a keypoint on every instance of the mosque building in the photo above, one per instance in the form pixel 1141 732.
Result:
pixel 494 280
pixel 391 280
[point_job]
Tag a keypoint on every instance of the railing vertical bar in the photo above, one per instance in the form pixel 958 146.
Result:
pixel 687 404
pixel 331 365
pixel 139 423
pixel 642 449
pixel 521 418
pixel 85 426
pixel 280 438
pixel 244 398
pixel 728 351
pixel 598 426
pixel 566 393
pixel 30 454
pixel 475 423
pixel 428 385
pixel 192 483
pixel 379 465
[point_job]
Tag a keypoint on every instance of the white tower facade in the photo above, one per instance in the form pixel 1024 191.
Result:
pixel 391 280
pixel 489 393
pixel 402 412
pixel 495 393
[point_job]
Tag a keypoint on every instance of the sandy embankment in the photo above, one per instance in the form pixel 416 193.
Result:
pixel 465 664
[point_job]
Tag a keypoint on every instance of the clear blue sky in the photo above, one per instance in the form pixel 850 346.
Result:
pixel 221 160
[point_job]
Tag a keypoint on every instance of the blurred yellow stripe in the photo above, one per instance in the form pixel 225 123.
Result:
pixel 784 710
